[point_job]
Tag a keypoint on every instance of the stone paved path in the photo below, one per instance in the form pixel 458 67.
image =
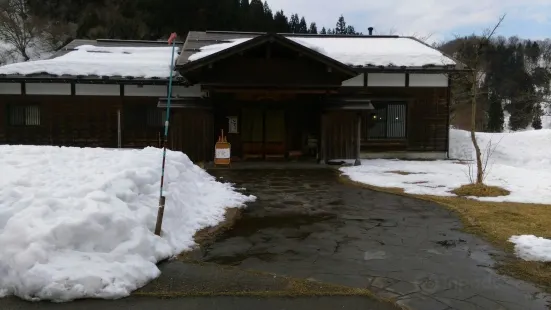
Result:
pixel 307 224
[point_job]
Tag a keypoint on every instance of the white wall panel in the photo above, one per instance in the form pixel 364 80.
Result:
pixel 146 90
pixel 97 90
pixel 48 88
pixel 183 91
pixel 428 80
pixel 355 81
pixel 10 88
pixel 386 80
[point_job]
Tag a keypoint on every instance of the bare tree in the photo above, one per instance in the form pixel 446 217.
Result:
pixel 471 56
pixel 486 163
pixel 26 35
pixel 18 28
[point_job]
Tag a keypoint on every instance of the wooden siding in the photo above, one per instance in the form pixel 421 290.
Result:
pixel 138 130
pixel 426 124
pixel 338 135
pixel 64 121
pixel 81 121
pixel 268 66
pixel 192 132
pixel 92 122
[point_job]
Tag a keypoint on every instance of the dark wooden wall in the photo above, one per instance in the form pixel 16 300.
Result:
pixel 427 124
pixel 339 131
pixel 92 122
pixel 191 132
pixel 268 65
pixel 64 121
pixel 81 121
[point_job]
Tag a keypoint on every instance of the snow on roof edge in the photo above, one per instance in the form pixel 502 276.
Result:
pixel 90 60
pixel 424 54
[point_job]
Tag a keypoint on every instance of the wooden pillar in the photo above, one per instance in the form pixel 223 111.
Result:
pixel 119 130
pixel 358 162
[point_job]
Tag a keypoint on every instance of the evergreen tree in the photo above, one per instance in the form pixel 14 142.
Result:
pixel 294 23
pixel 350 30
pixel 281 23
pixel 245 23
pixel 341 26
pixel 536 121
pixel 257 18
pixel 245 5
pixel 313 28
pixel 495 114
pixel 269 17
pixel 323 31
pixel 302 26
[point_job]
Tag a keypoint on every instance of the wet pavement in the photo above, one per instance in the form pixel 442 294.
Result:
pixel 307 224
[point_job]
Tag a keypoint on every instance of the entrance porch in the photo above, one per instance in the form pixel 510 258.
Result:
pixel 269 127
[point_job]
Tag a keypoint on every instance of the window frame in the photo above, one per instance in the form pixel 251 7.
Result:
pixel 385 104
pixel 24 109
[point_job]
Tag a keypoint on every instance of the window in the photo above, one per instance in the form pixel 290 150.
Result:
pixel 388 121
pixel 24 115
pixel 143 117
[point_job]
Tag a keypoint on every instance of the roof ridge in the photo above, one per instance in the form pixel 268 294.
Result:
pixel 298 34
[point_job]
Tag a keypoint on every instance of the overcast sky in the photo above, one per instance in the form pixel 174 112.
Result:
pixel 441 18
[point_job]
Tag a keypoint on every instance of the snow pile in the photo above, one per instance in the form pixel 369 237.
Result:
pixel 78 223
pixel 532 248
pixel 358 51
pixel 137 62
pixel 520 164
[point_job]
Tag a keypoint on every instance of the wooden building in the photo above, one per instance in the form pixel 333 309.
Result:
pixel 275 96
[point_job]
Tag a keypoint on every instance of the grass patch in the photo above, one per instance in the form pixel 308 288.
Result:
pixel 480 190
pixel 252 281
pixel 496 222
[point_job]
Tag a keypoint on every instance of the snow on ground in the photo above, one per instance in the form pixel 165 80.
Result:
pixel 532 248
pixel 520 164
pixel 78 223
pixel 138 62
pixel 357 51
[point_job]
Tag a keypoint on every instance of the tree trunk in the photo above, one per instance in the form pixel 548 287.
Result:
pixel 479 171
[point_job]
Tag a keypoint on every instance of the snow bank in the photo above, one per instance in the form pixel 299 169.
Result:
pixel 532 248
pixel 520 164
pixel 138 62
pixel 78 223
pixel 358 51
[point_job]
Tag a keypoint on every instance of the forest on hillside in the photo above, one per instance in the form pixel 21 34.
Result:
pixel 516 75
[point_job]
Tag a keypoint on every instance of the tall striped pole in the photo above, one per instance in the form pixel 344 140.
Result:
pixel 160 213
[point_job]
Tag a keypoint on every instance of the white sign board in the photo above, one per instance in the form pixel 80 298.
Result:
pixel 232 124
pixel 222 153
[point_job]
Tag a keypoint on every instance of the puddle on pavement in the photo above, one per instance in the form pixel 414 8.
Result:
pixel 237 259
pixel 249 225
pixel 450 243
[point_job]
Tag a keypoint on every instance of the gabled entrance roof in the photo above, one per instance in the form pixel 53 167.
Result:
pixel 239 47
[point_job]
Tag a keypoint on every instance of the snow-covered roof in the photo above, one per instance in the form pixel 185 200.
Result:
pixel 90 60
pixel 357 51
